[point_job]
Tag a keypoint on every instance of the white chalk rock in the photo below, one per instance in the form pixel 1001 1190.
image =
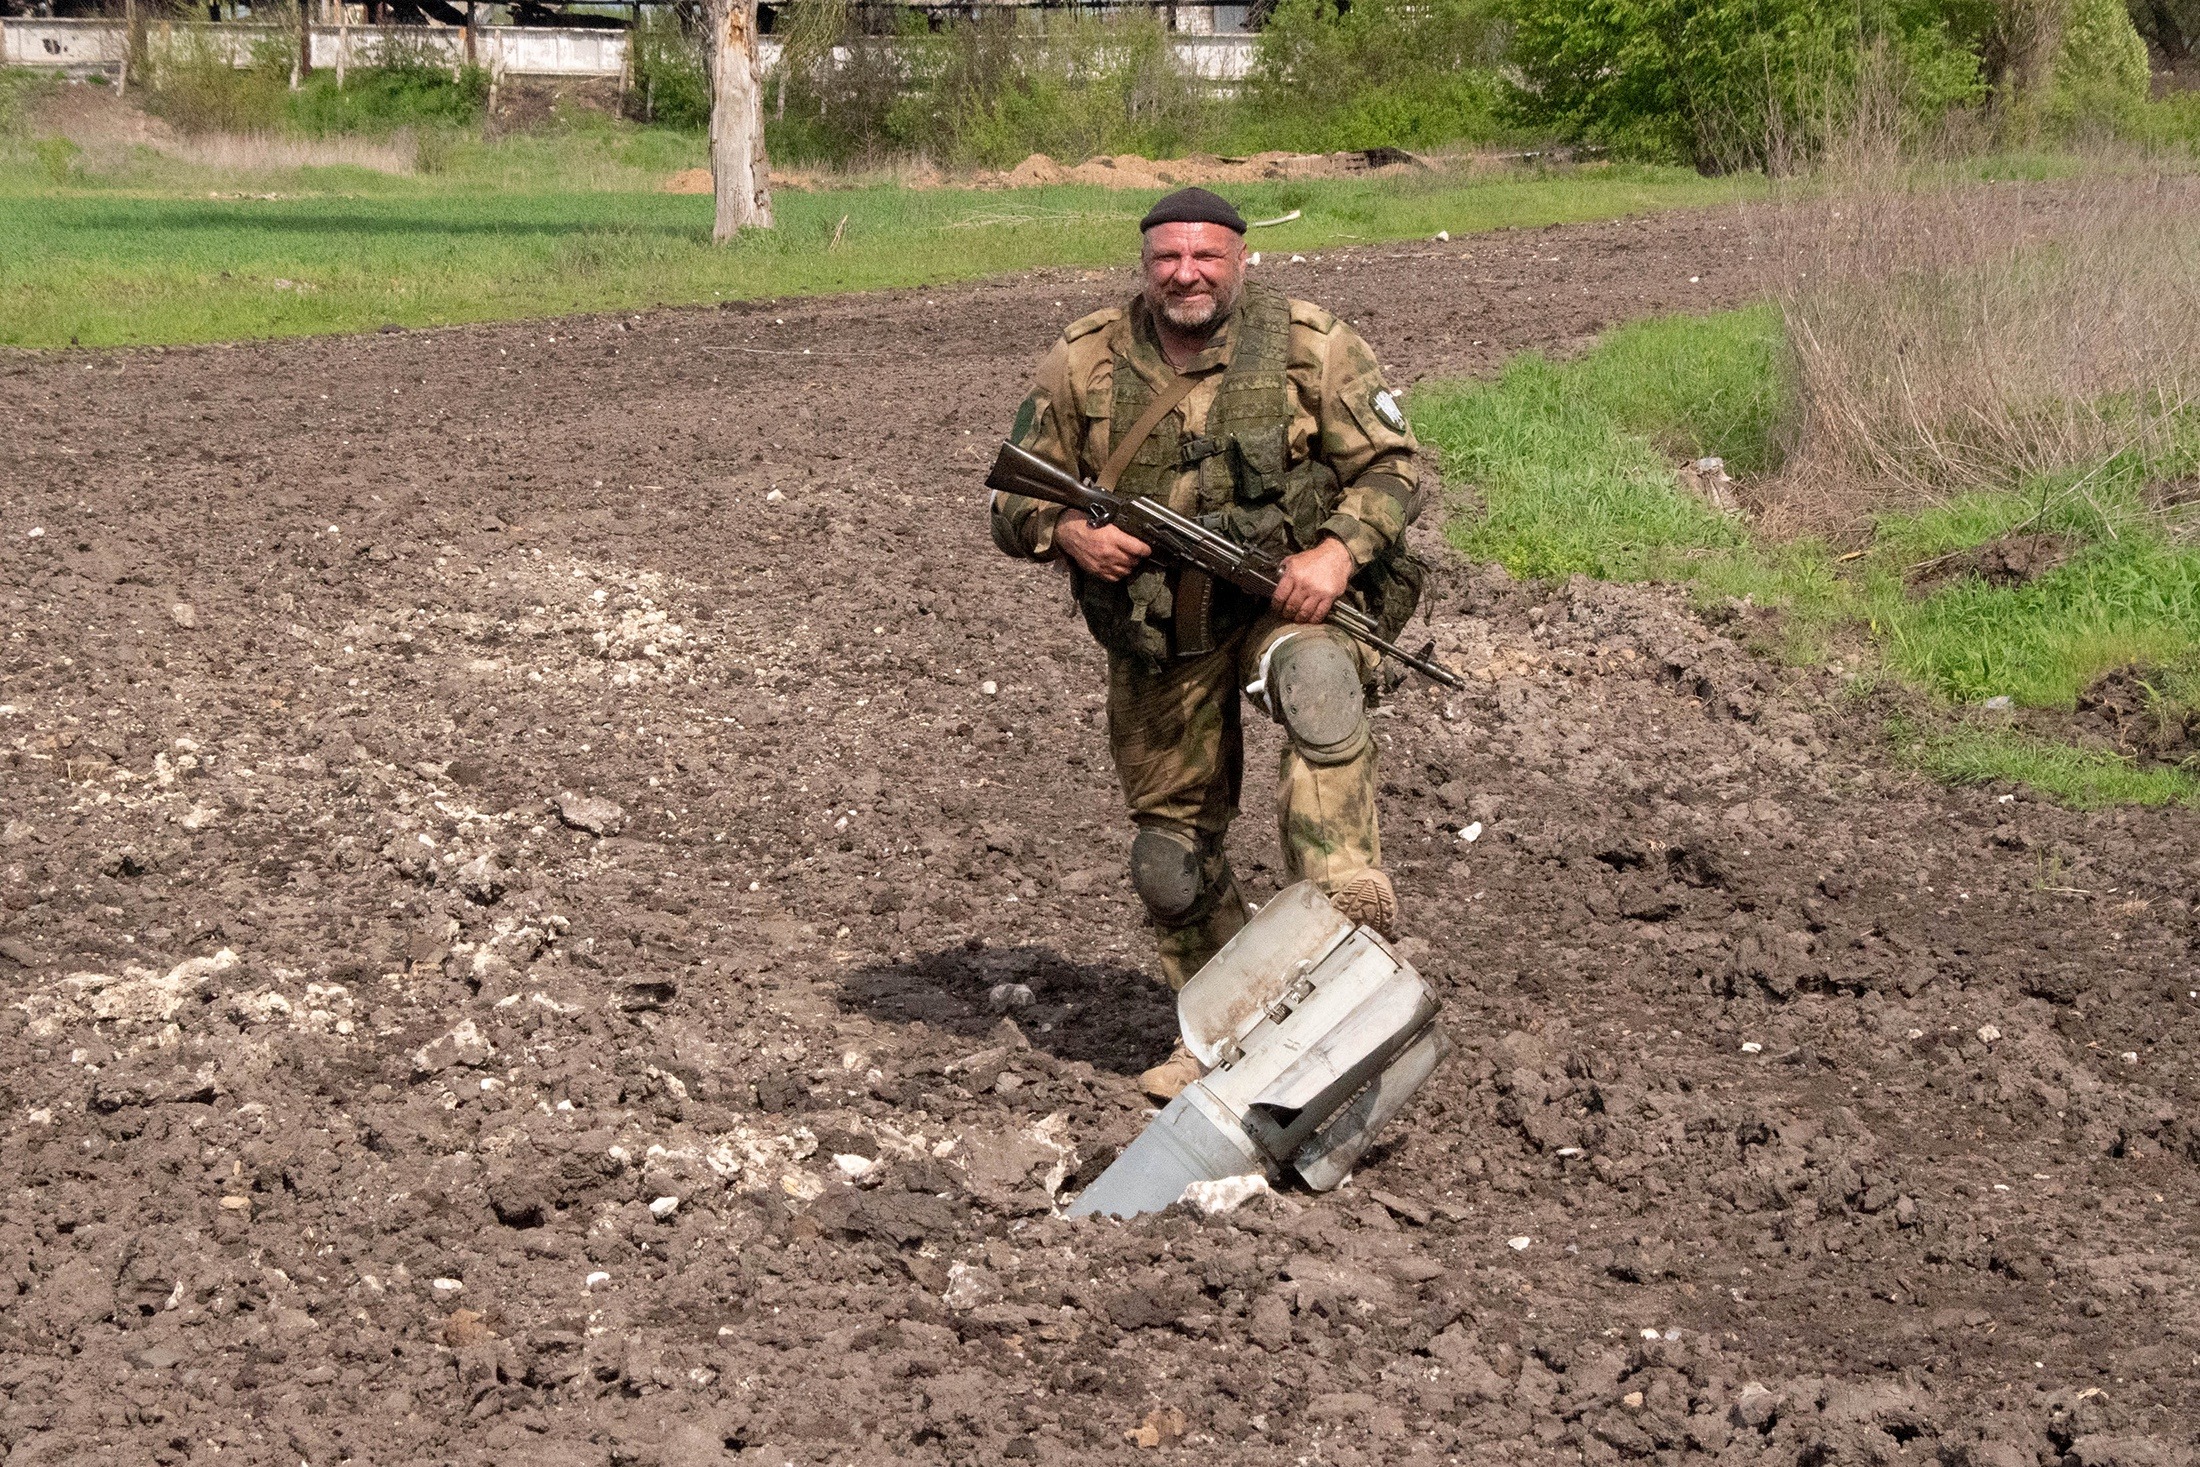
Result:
pixel 1225 1194
pixel 463 1045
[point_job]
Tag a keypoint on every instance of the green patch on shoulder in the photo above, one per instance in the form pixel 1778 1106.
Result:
pixel 1027 414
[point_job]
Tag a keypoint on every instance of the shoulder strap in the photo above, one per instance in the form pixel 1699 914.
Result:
pixel 1121 454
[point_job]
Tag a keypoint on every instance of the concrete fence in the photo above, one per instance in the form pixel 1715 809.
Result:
pixel 83 47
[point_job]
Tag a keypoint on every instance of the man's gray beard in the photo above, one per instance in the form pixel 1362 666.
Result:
pixel 1219 307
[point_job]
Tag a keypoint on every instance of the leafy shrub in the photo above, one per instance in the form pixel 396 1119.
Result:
pixel 1716 82
pixel 195 82
pixel 198 81
pixel 2170 123
pixel 407 90
pixel 671 80
pixel 1398 73
pixel 2100 74
pixel 989 91
pixel 1071 86
pixel 845 93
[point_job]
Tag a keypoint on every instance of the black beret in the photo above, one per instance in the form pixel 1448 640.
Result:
pixel 1193 206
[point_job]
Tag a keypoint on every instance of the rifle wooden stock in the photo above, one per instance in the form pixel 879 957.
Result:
pixel 1184 541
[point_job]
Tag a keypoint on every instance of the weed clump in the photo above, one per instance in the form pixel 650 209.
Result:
pixel 60 158
pixel 1949 338
pixel 197 79
pixel 210 83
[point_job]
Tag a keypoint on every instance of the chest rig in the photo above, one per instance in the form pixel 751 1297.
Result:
pixel 1245 486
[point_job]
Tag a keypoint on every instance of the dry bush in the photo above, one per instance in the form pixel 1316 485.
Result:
pixel 1949 335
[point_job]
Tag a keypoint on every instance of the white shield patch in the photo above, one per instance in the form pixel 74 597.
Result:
pixel 1386 408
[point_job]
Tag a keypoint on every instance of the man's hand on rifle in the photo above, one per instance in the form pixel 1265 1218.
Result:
pixel 1313 580
pixel 1101 551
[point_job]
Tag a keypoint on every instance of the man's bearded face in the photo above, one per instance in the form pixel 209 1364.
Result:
pixel 1193 273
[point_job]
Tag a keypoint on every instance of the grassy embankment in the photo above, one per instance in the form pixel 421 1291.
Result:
pixel 1572 467
pixel 152 249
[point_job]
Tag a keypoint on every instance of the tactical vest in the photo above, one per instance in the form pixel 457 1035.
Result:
pixel 1246 487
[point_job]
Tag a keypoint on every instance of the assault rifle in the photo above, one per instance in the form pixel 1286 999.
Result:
pixel 1185 541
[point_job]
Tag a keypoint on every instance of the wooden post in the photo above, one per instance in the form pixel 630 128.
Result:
pixel 739 174
pixel 129 45
pixel 343 42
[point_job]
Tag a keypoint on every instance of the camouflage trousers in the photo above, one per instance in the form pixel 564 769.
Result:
pixel 1176 733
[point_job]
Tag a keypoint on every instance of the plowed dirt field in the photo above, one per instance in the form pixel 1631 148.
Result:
pixel 373 1090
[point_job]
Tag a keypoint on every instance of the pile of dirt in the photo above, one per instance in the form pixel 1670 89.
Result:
pixel 698 181
pixel 2015 559
pixel 1124 170
pixel 97 120
pixel 2125 709
pixel 1130 171
pixel 503 897
pixel 544 104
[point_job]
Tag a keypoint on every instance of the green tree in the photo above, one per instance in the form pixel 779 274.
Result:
pixel 2101 72
pixel 1717 82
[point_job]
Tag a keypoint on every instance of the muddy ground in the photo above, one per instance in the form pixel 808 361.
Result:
pixel 1805 1112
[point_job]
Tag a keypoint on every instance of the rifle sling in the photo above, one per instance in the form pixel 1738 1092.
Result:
pixel 1121 454
pixel 1192 589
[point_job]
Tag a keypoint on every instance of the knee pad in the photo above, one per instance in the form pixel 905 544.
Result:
pixel 1168 871
pixel 1314 688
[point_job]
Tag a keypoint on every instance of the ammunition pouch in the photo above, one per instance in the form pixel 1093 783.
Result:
pixel 1390 588
pixel 1129 617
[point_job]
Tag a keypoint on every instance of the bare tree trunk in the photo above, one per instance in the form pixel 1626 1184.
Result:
pixel 2170 35
pixel 738 171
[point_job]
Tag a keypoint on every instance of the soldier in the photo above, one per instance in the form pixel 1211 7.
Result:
pixel 1268 417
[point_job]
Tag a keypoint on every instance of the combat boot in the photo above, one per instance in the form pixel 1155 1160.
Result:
pixel 1368 899
pixel 1166 1081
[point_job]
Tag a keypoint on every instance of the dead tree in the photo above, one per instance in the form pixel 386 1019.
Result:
pixel 738 173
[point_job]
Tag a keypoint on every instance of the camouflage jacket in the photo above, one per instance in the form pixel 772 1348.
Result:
pixel 1341 416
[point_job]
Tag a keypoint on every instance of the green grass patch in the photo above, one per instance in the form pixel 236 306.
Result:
pixel 2133 600
pixel 157 252
pixel 2089 779
pixel 1573 463
pixel 1570 468
pixel 2170 123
